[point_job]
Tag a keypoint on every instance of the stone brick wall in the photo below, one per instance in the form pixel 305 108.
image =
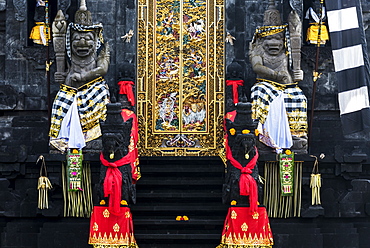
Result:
pixel 345 221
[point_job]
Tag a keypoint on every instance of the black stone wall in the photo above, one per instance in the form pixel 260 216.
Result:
pixel 344 220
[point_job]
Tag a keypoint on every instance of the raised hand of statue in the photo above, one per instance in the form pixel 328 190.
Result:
pixel 283 77
pixel 297 75
pixel 73 78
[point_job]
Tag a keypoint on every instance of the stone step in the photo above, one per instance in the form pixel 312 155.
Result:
pixel 173 222
pixel 188 181
pixel 183 236
pixel 182 195
pixel 178 208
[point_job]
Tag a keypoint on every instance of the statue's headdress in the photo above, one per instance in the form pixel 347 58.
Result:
pixel 83 23
pixel 272 25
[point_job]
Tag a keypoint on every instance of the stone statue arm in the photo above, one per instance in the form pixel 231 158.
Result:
pixel 101 68
pixel 268 73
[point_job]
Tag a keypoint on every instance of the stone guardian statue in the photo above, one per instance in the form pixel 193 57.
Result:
pixel 81 101
pixel 277 102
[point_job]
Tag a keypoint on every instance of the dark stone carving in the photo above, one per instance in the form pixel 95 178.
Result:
pixel 234 71
pixel 243 150
pixel 8 97
pixel 20 6
pixel 296 5
pixel 64 5
pixel 36 54
pixel 325 58
pixel 352 203
pixel 2 5
pixel 126 74
pixel 116 139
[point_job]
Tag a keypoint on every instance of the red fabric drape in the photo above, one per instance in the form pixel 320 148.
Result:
pixel 126 88
pixel 247 184
pixel 113 181
pixel 235 84
pixel 243 229
pixel 108 228
pixel 133 151
pixel 231 116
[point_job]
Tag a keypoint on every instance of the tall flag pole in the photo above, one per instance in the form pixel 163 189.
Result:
pixel 316 74
pixel 350 62
pixel 48 63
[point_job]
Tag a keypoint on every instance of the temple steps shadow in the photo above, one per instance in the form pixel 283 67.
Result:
pixel 173 187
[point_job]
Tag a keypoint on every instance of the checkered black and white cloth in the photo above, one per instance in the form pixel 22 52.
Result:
pixel 263 93
pixel 91 104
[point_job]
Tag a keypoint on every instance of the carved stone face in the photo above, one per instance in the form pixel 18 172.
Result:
pixel 273 44
pixel 243 144
pixel 83 43
pixel 116 144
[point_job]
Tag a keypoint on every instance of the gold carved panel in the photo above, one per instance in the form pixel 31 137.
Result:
pixel 180 77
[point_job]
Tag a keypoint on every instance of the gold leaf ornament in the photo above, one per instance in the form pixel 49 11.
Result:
pixel 127 37
pixel 230 39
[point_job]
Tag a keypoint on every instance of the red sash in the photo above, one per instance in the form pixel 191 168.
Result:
pixel 247 184
pixel 235 84
pixel 126 88
pixel 113 181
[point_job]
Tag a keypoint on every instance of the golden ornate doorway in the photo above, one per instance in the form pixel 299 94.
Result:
pixel 180 77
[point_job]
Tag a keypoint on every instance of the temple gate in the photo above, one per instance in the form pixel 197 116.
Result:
pixel 180 77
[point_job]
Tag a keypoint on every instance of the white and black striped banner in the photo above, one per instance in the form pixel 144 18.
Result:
pixel 350 62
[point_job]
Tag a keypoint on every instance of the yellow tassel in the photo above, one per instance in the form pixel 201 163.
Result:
pixel 315 183
pixel 43 185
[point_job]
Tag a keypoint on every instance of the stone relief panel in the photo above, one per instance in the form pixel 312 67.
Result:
pixel 20 7
pixel 2 5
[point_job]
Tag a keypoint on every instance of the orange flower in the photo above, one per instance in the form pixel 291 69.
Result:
pixel 233 202
pixel 102 202
pixel 232 131
pixel 246 131
pixel 256 132
pixel 288 152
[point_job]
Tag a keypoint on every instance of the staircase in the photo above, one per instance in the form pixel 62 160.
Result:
pixel 172 187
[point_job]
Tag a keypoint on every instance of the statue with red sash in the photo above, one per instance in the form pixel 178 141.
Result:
pixel 246 223
pixel 111 222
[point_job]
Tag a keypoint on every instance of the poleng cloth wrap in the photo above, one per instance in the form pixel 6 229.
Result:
pixel 235 84
pixel 108 229
pixel 247 184
pixel 125 87
pixel 245 230
pixel 113 181
pixel 92 99
pixel 264 93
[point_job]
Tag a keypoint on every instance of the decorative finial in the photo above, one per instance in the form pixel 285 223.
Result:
pixel 83 16
pixel 272 15
pixel 83 5
pixel 271 4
